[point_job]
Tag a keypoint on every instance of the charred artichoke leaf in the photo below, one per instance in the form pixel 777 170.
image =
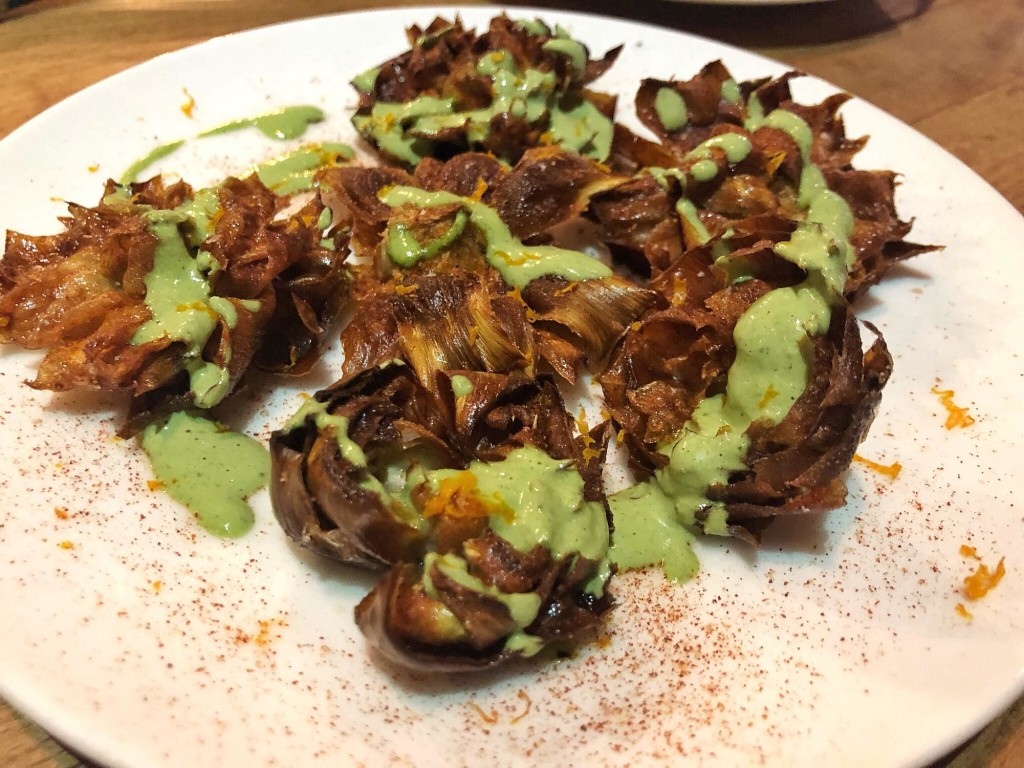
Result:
pixel 797 465
pixel 761 437
pixel 593 314
pixel 793 149
pixel 681 112
pixel 310 293
pixel 493 557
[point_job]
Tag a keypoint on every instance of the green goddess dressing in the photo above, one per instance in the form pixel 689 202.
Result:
pixel 208 468
pixel 546 507
pixel 517 263
pixel 284 124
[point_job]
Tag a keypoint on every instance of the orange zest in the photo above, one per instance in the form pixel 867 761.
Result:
pixel 516 294
pixel 458 496
pixel 679 287
pixel 190 105
pixel 891 471
pixel 481 188
pixel 968 551
pixel 769 394
pixel 962 611
pixel 522 695
pixel 774 161
pixel 488 717
pixel 590 451
pixel 568 288
pixel 979 583
pixel 524 257
pixel 957 416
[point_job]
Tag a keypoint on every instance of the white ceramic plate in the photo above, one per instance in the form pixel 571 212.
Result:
pixel 151 643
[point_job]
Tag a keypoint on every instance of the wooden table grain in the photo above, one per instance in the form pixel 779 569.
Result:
pixel 953 69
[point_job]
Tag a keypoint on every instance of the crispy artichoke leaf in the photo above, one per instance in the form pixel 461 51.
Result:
pixel 591 314
pixel 436 323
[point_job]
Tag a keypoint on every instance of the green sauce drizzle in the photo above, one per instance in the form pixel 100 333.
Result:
pixel 572 49
pixel 133 170
pixel 648 532
pixel 533 26
pixel 284 124
pixel 325 421
pixel 547 508
pixel 671 109
pixel 579 126
pixel 200 213
pixel 179 298
pixel 365 81
pixel 517 263
pixel 522 607
pixel 546 497
pixel 394 492
pixel 688 211
pixel 288 123
pixel 294 171
pixel 461 386
pixel 208 469
pixel 736 147
pixel 406 251
pixel 731 91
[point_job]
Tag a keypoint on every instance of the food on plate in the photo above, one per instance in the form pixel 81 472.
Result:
pixel 170 293
pixel 477 497
pixel 453 283
pixel 983 580
pixel 513 246
pixel 754 356
pixel 956 416
pixel 518 85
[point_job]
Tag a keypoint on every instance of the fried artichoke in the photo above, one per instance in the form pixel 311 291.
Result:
pixel 170 294
pixel 482 502
pixel 757 205
pixel 439 295
pixel 516 86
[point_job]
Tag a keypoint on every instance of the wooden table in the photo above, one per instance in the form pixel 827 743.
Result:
pixel 953 69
